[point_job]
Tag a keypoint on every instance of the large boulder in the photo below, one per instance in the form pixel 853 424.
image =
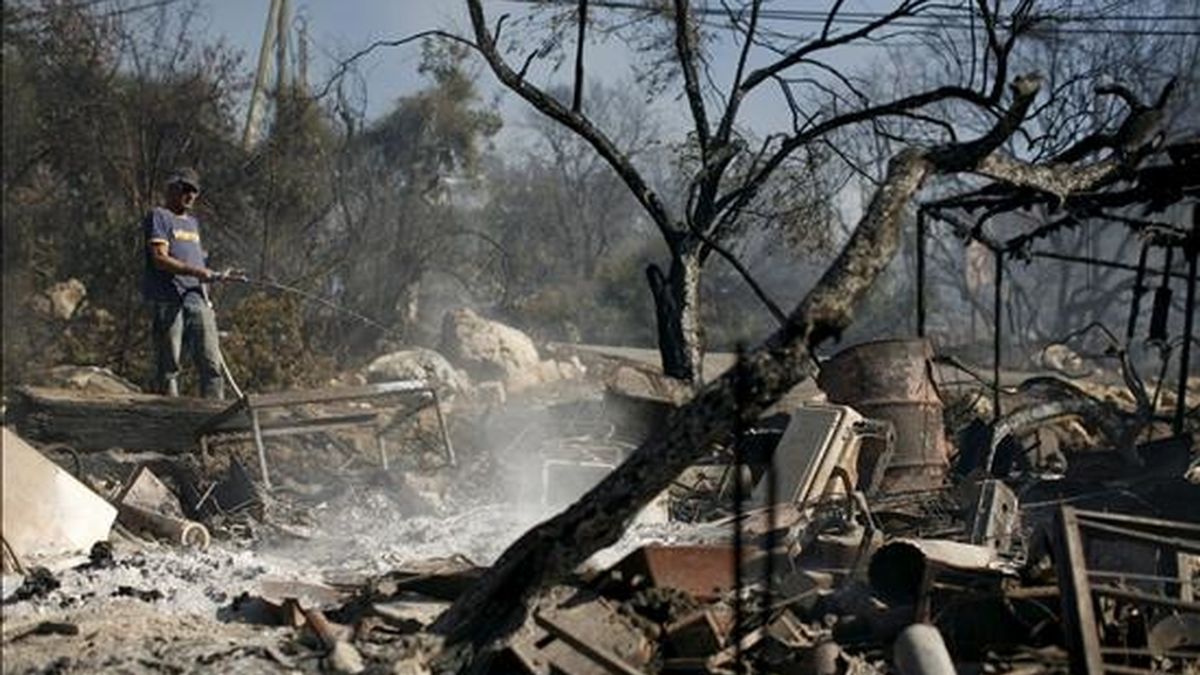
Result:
pixel 489 350
pixel 59 301
pixel 418 364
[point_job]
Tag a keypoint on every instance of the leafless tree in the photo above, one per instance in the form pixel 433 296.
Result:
pixel 499 602
pixel 734 176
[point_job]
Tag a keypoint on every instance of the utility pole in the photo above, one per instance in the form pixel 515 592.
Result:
pixel 302 55
pixel 281 48
pixel 258 95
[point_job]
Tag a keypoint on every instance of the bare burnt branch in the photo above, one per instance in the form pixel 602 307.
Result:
pixel 746 192
pixel 345 64
pixel 735 93
pixel 907 8
pixel 685 49
pixel 576 122
pixel 829 19
pixel 1122 92
pixel 821 65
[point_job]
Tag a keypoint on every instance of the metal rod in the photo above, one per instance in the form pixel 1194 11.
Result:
pixel 738 573
pixel 1192 250
pixel 1144 522
pixel 262 450
pixel 383 458
pixel 997 337
pixel 1079 619
pixel 437 406
pixel 768 599
pixel 1137 596
pixel 921 273
pixel 1133 576
pixel 1138 290
pixel 1191 545
pixel 1083 260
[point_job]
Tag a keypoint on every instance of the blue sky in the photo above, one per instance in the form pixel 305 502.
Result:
pixel 340 27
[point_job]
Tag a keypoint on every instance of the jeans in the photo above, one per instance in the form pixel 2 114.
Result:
pixel 190 323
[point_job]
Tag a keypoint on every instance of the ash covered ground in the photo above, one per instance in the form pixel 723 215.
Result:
pixel 151 607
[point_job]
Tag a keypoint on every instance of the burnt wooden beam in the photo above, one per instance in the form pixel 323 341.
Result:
pixel 93 421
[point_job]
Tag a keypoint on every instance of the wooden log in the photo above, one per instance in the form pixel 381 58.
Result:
pixel 94 421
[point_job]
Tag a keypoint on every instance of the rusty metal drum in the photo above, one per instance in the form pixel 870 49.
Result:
pixel 893 380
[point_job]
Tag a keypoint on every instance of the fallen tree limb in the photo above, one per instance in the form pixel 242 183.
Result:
pixel 499 603
pixel 89 421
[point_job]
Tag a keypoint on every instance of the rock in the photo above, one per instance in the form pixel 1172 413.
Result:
pixel 420 364
pixel 344 658
pixel 553 371
pixel 647 385
pixel 411 665
pixel 88 378
pixel 490 350
pixel 65 297
pixel 1063 359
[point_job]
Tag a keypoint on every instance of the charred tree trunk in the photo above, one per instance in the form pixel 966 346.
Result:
pixel 677 313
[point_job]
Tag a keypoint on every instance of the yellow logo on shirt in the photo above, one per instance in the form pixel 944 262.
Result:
pixel 186 235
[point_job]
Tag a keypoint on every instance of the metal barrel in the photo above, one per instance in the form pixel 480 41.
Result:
pixel 920 650
pixel 892 380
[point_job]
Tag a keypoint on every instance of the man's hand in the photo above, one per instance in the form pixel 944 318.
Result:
pixel 162 260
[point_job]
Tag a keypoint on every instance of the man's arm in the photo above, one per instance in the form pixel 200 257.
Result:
pixel 162 260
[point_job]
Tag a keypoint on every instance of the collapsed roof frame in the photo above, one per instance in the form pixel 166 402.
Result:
pixel 1154 188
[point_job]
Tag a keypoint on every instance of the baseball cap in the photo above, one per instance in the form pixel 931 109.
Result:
pixel 186 176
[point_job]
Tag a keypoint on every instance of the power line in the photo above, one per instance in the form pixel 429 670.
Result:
pixel 942 20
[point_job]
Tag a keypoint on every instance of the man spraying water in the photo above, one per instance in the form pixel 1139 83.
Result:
pixel 175 286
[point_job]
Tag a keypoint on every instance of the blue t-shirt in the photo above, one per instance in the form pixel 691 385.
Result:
pixel 182 236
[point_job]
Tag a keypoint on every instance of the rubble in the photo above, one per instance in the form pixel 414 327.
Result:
pixel 788 550
pixel 47 512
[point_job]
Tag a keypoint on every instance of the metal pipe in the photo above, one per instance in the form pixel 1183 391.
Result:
pixel 437 407
pixel 898 568
pixel 176 530
pixel 262 450
pixel 997 337
pixel 920 650
pixel 1138 289
pixel 1192 249
pixel 1103 263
